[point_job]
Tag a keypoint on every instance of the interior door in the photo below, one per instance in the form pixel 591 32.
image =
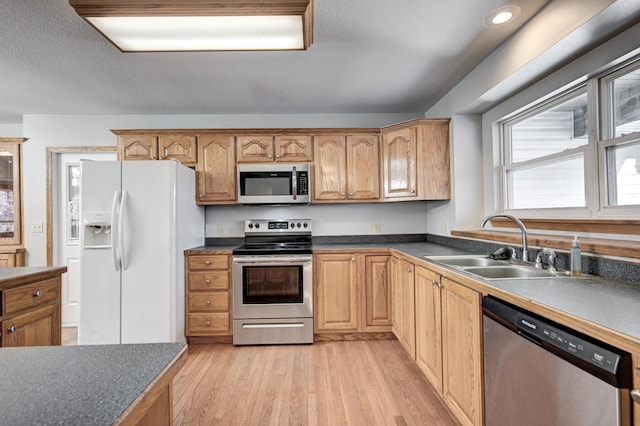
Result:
pixel 68 228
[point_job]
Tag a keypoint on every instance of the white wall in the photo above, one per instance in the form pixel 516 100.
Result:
pixel 8 130
pixel 72 131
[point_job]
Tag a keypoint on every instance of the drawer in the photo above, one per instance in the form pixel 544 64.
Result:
pixel 209 302
pixel 209 323
pixel 214 280
pixel 30 295
pixel 216 261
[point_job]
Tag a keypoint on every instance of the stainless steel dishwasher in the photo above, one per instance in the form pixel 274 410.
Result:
pixel 537 372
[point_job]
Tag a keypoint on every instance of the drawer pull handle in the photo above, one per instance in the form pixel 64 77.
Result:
pixel 37 293
pixel 12 329
pixel 635 395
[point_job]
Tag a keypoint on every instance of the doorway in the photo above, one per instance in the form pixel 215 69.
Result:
pixel 63 224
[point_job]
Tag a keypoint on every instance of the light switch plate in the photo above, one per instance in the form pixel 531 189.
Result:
pixel 36 227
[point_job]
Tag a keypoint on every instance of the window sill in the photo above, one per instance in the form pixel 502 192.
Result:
pixel 597 226
pixel 599 246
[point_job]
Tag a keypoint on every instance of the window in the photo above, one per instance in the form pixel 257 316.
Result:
pixel 620 141
pixel 544 154
pixel 579 151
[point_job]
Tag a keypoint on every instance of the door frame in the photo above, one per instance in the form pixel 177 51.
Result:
pixel 51 153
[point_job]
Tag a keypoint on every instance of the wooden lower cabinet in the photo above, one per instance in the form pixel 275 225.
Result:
pixel 462 351
pixel 636 387
pixel 352 293
pixel 208 295
pixel 30 314
pixel 335 293
pixel 377 292
pixel 403 296
pixel 10 257
pixel 429 326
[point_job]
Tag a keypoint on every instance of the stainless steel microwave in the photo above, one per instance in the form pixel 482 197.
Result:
pixel 274 183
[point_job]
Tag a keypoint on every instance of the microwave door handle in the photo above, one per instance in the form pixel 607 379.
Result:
pixel 294 183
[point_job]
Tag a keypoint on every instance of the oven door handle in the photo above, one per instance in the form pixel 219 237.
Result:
pixel 272 262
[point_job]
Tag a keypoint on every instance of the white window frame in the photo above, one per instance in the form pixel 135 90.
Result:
pixel 606 139
pixel 587 152
pixel 600 131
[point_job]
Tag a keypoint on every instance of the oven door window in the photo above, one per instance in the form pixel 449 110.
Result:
pixel 272 284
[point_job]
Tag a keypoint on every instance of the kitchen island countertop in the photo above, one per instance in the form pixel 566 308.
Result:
pixel 80 385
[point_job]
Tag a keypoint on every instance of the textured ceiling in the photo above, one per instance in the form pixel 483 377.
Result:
pixel 373 56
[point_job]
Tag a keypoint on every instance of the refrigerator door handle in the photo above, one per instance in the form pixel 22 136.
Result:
pixel 121 218
pixel 114 231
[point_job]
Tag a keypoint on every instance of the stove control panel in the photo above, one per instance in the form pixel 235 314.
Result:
pixel 277 226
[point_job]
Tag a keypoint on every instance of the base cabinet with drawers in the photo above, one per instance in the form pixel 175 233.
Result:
pixel 30 312
pixel 208 295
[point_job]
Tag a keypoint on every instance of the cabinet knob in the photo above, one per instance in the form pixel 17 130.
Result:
pixel 207 282
pixel 208 302
pixel 208 323
pixel 413 191
pixel 12 329
pixel 200 196
pixel 351 194
pixel 342 194
pixel 635 395
pixel 37 293
pixel 207 262
pixel 409 270
pixel 353 259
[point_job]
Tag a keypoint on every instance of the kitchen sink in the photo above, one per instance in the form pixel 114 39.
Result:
pixel 509 271
pixel 466 261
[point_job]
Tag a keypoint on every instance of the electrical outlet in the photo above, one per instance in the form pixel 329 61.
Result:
pixel 376 227
pixel 36 227
pixel 221 229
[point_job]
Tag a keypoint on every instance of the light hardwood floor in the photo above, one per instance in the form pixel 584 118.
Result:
pixel 328 383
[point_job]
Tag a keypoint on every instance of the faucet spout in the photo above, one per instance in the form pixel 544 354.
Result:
pixel 523 229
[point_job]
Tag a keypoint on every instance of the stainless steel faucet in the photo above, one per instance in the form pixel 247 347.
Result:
pixel 525 248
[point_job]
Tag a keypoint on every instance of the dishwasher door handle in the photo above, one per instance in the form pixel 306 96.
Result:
pixel 530 338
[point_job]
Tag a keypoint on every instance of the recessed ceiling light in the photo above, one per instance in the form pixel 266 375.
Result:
pixel 200 25
pixel 502 15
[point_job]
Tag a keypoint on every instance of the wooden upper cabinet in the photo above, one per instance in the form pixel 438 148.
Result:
pixel 400 164
pixel 293 149
pixel 137 147
pixel 346 168
pixel 216 169
pixel 268 148
pixel 11 193
pixel 157 145
pixel 416 160
pixel 180 147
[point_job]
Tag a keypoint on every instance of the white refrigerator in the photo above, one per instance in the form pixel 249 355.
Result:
pixel 137 218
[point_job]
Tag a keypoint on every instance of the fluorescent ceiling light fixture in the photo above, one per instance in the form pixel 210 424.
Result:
pixel 201 25
pixel 502 15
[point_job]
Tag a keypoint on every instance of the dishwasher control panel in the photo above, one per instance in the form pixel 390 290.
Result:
pixel 597 357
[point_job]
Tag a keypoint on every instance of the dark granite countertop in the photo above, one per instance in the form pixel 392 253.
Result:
pixel 77 385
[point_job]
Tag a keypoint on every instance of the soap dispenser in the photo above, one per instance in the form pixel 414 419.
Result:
pixel 576 257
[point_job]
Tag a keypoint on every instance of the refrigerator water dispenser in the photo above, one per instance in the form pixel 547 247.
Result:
pixel 97 229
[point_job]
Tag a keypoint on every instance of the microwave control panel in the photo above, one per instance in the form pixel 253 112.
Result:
pixel 303 183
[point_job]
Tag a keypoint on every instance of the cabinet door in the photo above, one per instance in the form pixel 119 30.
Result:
pixel 216 170
pixel 180 147
pixel 293 149
pixel 40 327
pixel 137 147
pixel 462 352
pixel 407 316
pixel 363 179
pixel 400 164
pixel 330 171
pixel 7 260
pixel 255 149
pixel 336 293
pixel 436 167
pixel 377 293
pixel 429 326
pixel 396 298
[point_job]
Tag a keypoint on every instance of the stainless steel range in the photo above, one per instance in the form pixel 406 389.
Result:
pixel 272 283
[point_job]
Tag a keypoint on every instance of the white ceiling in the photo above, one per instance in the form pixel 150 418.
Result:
pixel 368 56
